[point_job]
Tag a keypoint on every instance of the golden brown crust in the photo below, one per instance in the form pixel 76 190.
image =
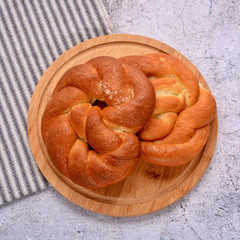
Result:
pixel 179 127
pixel 78 117
pixel 171 115
pixel 134 113
pixel 99 136
pixel 70 123
pixel 172 155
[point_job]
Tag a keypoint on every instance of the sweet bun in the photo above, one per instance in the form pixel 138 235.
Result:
pixel 97 147
pixel 152 107
pixel 179 126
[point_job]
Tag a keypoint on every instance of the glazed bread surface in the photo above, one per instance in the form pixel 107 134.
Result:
pixel 154 108
pixel 180 124
pixel 97 147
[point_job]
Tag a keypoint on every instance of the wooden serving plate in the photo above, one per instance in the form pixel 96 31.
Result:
pixel 149 187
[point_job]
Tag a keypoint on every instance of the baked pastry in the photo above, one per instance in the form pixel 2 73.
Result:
pixel 97 147
pixel 93 147
pixel 179 127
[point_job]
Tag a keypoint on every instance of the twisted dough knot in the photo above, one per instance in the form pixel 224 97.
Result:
pixel 180 124
pixel 70 122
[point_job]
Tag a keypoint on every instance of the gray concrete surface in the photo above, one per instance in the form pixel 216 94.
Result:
pixel 208 33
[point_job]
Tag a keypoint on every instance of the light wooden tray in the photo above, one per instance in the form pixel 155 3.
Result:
pixel 149 187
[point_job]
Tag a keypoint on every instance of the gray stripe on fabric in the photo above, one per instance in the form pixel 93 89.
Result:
pixel 56 21
pixel 18 85
pixel 16 141
pixel 16 124
pixel 106 20
pixel 7 175
pixel 4 189
pixel 15 156
pixel 22 35
pixel 10 36
pixel 18 65
pixel 49 25
pixel 84 19
pixel 4 195
pixel 99 16
pixel 68 28
pixel 30 20
pixel 9 171
pixel 75 22
pixel 39 26
pixel 96 30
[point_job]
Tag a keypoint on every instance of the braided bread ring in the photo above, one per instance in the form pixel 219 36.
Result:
pixel 180 124
pixel 70 122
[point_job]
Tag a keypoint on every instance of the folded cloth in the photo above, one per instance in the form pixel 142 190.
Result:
pixel 33 34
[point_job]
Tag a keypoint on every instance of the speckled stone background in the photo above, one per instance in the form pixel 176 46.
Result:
pixel 208 33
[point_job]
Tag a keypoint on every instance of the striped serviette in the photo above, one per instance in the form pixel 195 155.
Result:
pixel 33 34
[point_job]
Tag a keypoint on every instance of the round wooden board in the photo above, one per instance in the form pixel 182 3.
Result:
pixel 149 187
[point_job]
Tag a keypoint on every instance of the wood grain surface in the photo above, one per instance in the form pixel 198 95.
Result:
pixel 149 187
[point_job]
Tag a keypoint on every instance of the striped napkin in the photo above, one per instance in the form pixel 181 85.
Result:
pixel 33 34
